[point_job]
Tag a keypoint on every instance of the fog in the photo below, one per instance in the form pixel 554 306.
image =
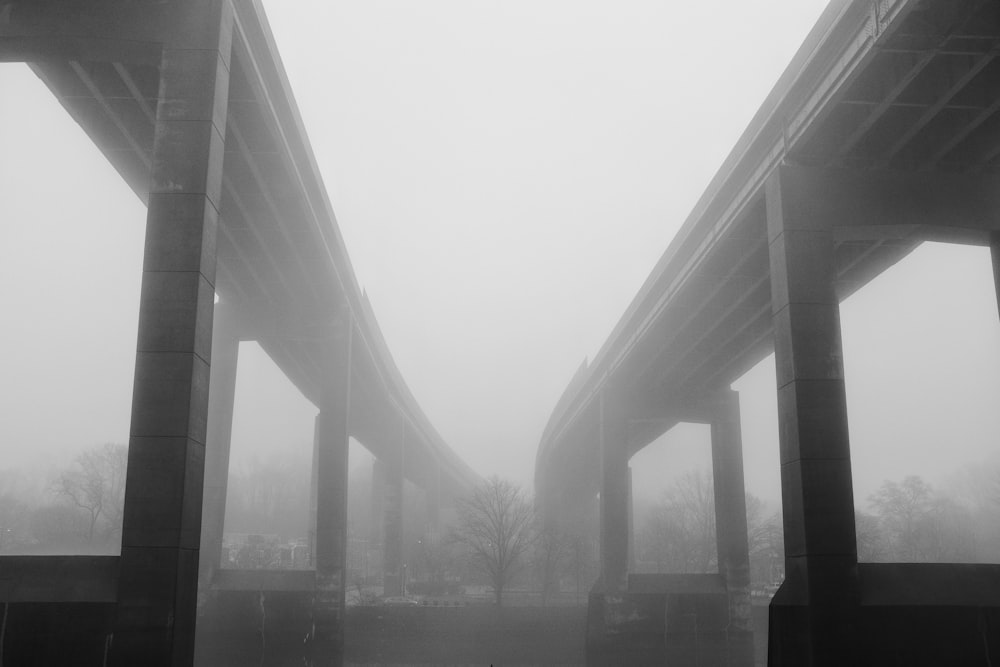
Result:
pixel 505 176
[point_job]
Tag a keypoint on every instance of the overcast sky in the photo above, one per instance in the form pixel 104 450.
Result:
pixel 505 175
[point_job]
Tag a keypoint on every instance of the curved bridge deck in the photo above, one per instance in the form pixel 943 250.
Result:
pixel 883 132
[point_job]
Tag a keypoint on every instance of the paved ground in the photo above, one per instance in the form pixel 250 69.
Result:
pixel 475 635
pixel 760 635
pixel 428 635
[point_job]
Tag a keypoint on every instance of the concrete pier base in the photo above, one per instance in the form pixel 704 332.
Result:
pixel 674 619
pixel 264 618
pixel 915 614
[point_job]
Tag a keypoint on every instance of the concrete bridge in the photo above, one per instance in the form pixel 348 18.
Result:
pixel 883 132
pixel 188 100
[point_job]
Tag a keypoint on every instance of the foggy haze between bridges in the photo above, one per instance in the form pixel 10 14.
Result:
pixel 505 176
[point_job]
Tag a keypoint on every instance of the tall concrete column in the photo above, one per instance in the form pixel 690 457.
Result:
pixel 731 524
pixel 550 499
pixel 377 504
pixel 158 568
pixel 432 502
pixel 313 491
pixel 331 524
pixel 614 495
pixel 221 399
pixel 631 523
pixel 821 562
pixel 995 257
pixel 392 542
pixel 330 460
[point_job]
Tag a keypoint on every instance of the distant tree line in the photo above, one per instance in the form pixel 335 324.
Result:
pixel 677 534
pixel 80 509
pixel 270 496
pixel 904 521
pixel 909 521
pixel 499 538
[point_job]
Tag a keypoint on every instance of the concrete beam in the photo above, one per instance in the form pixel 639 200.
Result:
pixel 96 32
pixel 873 204
pixel 58 579
pixel 102 30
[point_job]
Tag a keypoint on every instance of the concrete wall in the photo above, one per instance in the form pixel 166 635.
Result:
pixel 54 634
pixel 274 630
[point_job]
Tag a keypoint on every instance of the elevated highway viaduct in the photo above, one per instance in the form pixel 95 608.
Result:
pixel 883 132
pixel 189 102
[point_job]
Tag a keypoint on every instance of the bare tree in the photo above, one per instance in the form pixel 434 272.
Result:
pixel 14 520
pixel 270 496
pixel 921 525
pixel 679 532
pixel 96 484
pixel 57 528
pixel 495 523
pixel 580 557
pixel 900 507
pixel 872 544
pixel 436 557
pixel 552 551
pixel 765 541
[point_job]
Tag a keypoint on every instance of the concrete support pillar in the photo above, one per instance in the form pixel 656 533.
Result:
pixel 221 398
pixel 392 542
pixel 330 460
pixel 614 496
pixel 548 505
pixel 432 499
pixel 631 524
pixel 377 505
pixel 331 525
pixel 821 562
pixel 158 571
pixel 731 524
pixel 313 493
pixel 995 256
